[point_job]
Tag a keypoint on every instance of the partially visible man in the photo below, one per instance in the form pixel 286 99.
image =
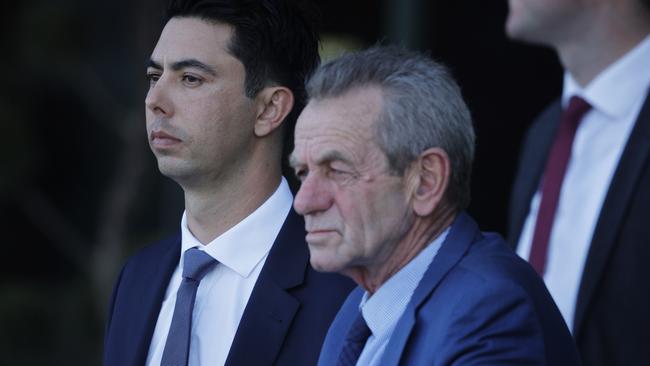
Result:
pixel 581 199
pixel 234 286
pixel 384 151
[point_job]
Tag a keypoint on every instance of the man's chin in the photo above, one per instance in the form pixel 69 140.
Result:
pixel 324 265
pixel 524 30
pixel 175 169
pixel 514 30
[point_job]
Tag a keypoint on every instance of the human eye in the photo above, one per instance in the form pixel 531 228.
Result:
pixel 153 77
pixel 339 172
pixel 192 80
pixel 301 173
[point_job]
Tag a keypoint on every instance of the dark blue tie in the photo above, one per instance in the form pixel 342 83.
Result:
pixel 354 342
pixel 196 264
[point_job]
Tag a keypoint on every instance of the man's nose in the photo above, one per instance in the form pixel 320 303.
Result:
pixel 158 99
pixel 313 196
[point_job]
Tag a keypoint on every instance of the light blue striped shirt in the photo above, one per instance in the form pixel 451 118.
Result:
pixel 384 308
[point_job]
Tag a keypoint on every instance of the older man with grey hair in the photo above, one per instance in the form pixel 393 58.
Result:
pixel 384 152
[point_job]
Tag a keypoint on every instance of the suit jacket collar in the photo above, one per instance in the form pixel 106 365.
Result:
pixel 151 292
pixel 463 233
pixel 619 194
pixel 612 214
pixel 271 307
pixel 269 311
pixel 531 167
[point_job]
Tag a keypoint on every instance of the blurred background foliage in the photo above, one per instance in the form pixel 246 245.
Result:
pixel 80 191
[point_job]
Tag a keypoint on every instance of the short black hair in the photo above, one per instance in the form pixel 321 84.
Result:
pixel 275 40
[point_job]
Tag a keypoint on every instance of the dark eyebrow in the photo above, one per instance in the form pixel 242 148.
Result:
pixel 183 64
pixel 153 64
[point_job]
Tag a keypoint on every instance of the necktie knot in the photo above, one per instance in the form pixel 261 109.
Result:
pixel 359 332
pixel 354 343
pixel 574 111
pixel 196 264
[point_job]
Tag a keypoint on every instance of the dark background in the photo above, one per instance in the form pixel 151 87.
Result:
pixel 79 188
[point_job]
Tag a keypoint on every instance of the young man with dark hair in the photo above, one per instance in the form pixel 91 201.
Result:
pixel 234 286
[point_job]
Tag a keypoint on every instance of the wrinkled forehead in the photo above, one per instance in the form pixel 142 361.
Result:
pixel 344 124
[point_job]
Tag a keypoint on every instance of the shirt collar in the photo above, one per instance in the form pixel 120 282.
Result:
pixel 614 90
pixel 383 309
pixel 244 245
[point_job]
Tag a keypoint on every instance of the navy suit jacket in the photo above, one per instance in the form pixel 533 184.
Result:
pixel 284 322
pixel 478 303
pixel 612 319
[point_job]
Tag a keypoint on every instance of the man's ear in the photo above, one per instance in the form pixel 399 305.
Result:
pixel 274 104
pixel 428 180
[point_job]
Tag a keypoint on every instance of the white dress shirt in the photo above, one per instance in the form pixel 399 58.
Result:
pixel 616 95
pixel 385 307
pixel 224 292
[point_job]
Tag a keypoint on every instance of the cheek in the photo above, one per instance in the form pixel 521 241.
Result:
pixel 360 219
pixel 232 114
pixel 210 121
pixel 384 218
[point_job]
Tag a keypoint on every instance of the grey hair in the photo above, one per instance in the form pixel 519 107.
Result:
pixel 423 108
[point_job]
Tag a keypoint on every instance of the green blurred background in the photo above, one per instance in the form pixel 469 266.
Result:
pixel 80 191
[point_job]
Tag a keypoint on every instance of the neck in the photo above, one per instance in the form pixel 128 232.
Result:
pixel 210 214
pixel 421 233
pixel 218 203
pixel 602 42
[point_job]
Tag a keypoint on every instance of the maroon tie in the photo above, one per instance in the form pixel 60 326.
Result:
pixel 556 165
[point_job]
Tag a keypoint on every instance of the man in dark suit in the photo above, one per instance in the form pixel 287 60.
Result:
pixel 581 199
pixel 234 286
pixel 384 151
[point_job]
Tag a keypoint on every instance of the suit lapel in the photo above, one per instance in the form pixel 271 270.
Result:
pixel 271 307
pixel 461 235
pixel 619 194
pixel 149 293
